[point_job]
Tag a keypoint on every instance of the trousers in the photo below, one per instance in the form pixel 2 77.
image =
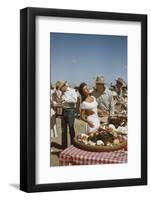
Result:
pixel 68 120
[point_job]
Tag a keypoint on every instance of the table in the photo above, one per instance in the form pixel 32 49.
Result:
pixel 76 156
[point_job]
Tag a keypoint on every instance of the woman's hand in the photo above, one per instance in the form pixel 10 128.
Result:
pixel 90 124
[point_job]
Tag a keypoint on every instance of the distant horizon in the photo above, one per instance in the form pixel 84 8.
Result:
pixel 78 58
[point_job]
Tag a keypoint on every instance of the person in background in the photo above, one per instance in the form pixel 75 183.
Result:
pixel 56 96
pixel 104 98
pixel 69 100
pixel 119 88
pixel 77 109
pixel 53 128
pixel 56 99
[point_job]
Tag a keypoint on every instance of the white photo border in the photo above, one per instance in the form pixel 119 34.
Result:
pixel 132 169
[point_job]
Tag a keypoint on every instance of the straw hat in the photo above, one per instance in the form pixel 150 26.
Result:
pixel 100 80
pixel 52 85
pixel 61 84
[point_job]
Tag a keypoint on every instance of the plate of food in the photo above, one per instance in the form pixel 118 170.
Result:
pixel 101 141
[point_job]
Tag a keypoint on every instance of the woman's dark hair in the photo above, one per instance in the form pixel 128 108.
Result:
pixel 82 85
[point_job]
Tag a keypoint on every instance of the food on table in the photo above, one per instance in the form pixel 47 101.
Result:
pixel 102 137
pixel 109 144
pixel 99 142
pixel 111 127
pixel 83 136
pixel 122 129
pixel 116 141
pixel 91 143
pixel 112 135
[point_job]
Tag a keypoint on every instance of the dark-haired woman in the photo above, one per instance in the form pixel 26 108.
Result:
pixel 88 112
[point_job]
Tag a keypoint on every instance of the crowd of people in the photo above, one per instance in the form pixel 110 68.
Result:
pixel 93 106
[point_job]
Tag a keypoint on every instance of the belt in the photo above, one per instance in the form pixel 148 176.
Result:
pixel 68 105
pixel 67 108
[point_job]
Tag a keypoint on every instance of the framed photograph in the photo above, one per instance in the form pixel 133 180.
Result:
pixel 83 99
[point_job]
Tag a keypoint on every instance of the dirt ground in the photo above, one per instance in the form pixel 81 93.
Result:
pixel 56 147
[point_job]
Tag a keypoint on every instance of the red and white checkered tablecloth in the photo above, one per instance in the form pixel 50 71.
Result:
pixel 75 156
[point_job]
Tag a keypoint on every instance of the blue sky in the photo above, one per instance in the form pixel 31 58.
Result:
pixel 80 58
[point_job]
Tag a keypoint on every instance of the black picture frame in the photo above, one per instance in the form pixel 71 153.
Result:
pixel 28 99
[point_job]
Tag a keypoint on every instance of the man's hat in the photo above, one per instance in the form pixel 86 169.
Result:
pixel 120 80
pixel 52 85
pixel 100 80
pixel 61 84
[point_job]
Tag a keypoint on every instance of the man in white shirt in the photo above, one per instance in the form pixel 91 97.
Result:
pixel 69 100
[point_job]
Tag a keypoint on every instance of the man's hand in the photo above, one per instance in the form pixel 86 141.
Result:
pixel 103 113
